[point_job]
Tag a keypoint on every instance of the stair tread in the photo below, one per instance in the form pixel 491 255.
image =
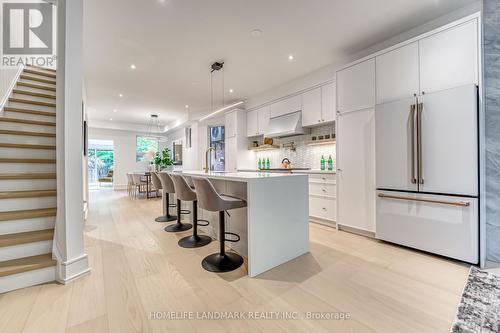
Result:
pixel 26 146
pixel 27 214
pixel 37 112
pixel 26 237
pixel 32 93
pixel 27 121
pixel 28 160
pixel 37 79
pixel 27 175
pixel 42 68
pixel 32 102
pixel 35 86
pixel 31 70
pixel 27 133
pixel 27 194
pixel 26 264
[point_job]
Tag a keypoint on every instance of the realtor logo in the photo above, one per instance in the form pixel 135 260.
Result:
pixel 27 28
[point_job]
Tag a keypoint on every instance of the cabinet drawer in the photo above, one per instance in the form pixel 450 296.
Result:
pixel 321 207
pixel 323 189
pixel 319 177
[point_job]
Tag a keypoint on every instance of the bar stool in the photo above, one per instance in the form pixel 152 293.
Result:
pixel 186 193
pixel 155 178
pixel 167 187
pixel 179 226
pixel 209 199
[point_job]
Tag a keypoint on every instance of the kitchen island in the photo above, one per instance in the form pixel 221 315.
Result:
pixel 274 227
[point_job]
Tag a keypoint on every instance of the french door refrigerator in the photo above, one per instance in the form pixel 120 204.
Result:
pixel 427 174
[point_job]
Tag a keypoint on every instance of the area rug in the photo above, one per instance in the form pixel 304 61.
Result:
pixel 479 308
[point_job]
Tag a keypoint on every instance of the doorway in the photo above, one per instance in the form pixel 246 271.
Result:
pixel 101 159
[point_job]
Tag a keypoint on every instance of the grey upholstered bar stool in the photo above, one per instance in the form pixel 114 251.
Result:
pixel 167 186
pixel 209 199
pixel 157 183
pixel 186 193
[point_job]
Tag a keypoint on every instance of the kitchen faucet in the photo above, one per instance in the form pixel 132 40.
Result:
pixel 206 158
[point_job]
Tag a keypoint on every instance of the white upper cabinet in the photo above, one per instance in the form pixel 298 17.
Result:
pixel 450 58
pixel 328 102
pixel 311 107
pixel 264 114
pixel 397 74
pixel 252 123
pixel 286 106
pixel 356 87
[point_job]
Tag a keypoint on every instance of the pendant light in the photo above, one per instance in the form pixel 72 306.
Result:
pixel 155 129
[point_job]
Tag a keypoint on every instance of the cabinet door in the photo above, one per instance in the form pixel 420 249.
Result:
pixel 286 106
pixel 328 102
pixel 311 107
pixel 252 123
pixel 356 169
pixel 231 124
pixel 397 74
pixel 356 87
pixel 450 58
pixel 264 116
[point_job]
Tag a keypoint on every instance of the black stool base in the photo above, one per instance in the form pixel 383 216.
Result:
pixel 166 218
pixel 194 241
pixel 177 227
pixel 222 263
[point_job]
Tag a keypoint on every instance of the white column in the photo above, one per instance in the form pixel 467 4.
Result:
pixel 72 261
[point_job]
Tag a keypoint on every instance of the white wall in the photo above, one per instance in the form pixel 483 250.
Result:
pixel 124 143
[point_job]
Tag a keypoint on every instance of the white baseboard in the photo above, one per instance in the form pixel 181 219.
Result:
pixel 72 269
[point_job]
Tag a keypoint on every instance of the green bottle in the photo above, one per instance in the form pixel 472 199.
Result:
pixel 259 164
pixel 322 163
pixel 268 164
pixel 330 163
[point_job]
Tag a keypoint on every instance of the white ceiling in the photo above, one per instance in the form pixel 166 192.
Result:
pixel 173 42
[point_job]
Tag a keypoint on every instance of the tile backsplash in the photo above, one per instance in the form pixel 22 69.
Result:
pixel 304 156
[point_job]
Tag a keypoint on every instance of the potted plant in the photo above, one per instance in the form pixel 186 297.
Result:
pixel 162 160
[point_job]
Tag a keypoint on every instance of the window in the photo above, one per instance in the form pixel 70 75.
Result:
pixel 145 148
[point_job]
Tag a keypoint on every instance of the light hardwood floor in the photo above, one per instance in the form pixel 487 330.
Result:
pixel 137 268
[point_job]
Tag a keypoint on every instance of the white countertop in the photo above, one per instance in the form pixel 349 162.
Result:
pixel 239 176
pixel 311 171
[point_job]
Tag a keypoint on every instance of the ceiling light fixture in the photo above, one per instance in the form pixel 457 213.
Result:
pixel 120 95
pixel 231 90
pixel 221 110
pixel 110 119
pixel 291 57
pixel 186 106
pixel 132 66
pixel 155 129
pixel 256 33
pixel 114 110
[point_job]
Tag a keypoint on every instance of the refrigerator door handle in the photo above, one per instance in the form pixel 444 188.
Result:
pixel 442 202
pixel 420 107
pixel 412 125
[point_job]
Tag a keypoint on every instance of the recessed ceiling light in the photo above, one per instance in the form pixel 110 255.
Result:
pixel 110 119
pixel 132 66
pixel 114 110
pixel 256 33
pixel 291 57
pixel 231 90
pixel 186 106
pixel 120 95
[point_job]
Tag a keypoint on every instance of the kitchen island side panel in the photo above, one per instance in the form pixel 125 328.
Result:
pixel 278 221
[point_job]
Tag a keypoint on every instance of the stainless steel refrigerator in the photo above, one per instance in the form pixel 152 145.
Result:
pixel 427 172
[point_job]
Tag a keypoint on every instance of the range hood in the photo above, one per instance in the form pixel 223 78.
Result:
pixel 286 125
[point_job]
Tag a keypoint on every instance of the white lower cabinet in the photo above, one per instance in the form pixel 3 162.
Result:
pixel 322 198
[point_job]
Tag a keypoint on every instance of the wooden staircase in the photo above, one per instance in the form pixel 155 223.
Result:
pixel 28 181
